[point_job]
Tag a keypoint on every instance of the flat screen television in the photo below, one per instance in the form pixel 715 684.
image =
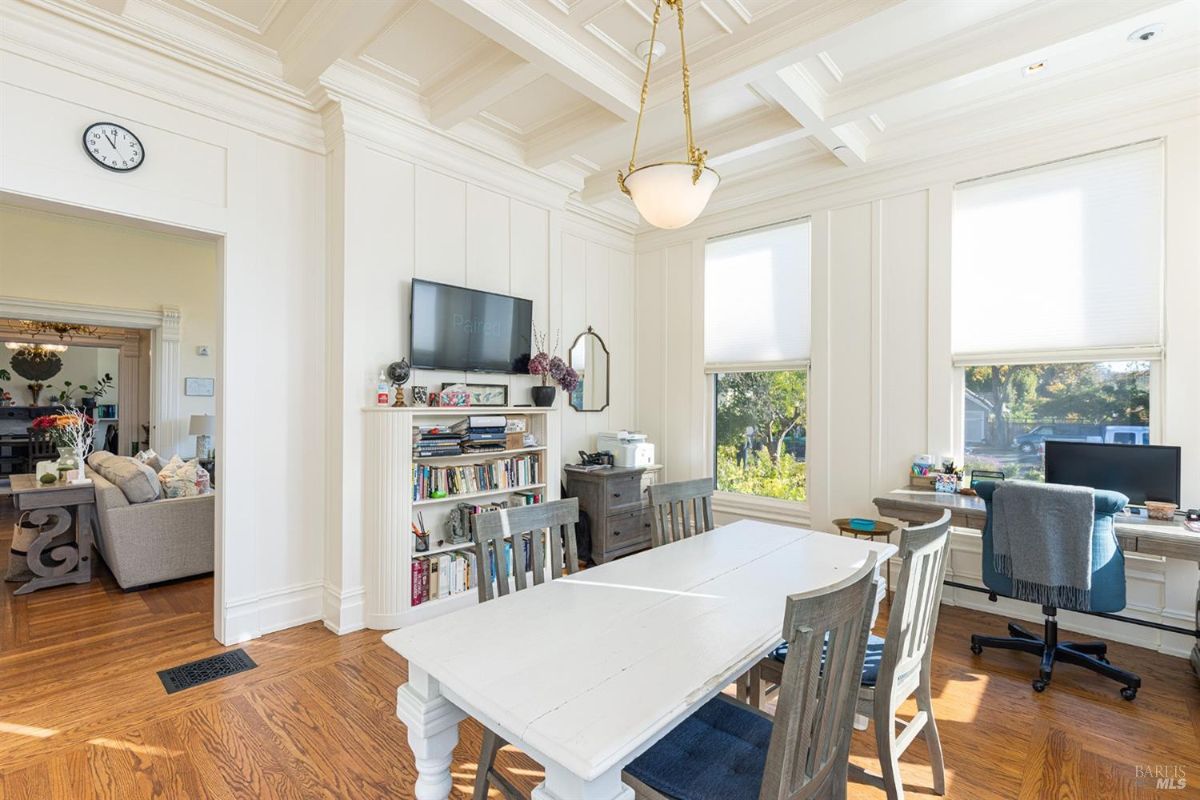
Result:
pixel 1140 472
pixel 467 330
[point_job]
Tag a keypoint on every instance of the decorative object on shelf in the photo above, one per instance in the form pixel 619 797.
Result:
pixel 36 363
pixel 199 387
pixel 96 391
pixel 589 358
pixel 71 430
pixel 398 373
pixel 455 396
pixel 203 427
pixel 946 482
pixel 421 533
pixel 1159 510
pixel 670 194
pixel 113 146
pixel 420 395
pixel 544 364
pixel 482 394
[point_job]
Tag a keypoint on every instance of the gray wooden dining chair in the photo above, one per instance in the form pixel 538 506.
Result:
pixel 728 749
pixel 680 510
pixel 537 532
pixel 898 665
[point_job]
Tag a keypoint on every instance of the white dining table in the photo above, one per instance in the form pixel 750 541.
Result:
pixel 586 672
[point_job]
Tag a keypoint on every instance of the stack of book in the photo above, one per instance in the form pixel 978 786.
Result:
pixel 479 434
pixel 435 440
pixel 442 575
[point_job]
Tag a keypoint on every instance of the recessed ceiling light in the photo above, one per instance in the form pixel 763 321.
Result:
pixel 1035 67
pixel 1146 33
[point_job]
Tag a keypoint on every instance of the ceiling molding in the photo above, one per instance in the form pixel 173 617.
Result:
pixel 63 34
pixel 482 84
pixel 525 32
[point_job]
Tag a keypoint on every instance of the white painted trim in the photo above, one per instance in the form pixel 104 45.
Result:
pixel 1134 353
pixel 344 611
pixel 53 311
pixel 252 617
pixel 768 509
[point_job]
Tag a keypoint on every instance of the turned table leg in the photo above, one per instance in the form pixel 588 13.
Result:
pixel 70 562
pixel 432 722
pixel 563 785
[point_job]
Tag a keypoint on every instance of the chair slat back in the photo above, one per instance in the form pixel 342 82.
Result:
pixel 41 445
pixel 826 633
pixel 914 610
pixel 534 531
pixel 680 510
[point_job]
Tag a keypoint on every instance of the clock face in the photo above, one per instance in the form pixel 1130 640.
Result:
pixel 113 147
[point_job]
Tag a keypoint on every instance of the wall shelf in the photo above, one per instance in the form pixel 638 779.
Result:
pixel 470 495
pixel 481 455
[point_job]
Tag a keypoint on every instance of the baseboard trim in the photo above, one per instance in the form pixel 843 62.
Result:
pixel 344 611
pixel 252 617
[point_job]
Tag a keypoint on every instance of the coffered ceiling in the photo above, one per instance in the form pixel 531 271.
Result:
pixel 801 92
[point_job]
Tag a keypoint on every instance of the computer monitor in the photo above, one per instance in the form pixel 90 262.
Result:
pixel 1140 472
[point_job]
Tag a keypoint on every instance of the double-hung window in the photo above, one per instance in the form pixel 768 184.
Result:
pixel 757 339
pixel 1057 297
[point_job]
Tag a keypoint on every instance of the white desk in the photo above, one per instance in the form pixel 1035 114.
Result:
pixel 586 672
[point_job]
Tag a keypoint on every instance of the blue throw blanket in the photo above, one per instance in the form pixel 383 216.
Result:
pixel 1042 540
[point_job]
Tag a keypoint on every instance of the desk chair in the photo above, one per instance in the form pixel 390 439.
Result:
pixel 1107 595
pixel 728 750
pixel 524 527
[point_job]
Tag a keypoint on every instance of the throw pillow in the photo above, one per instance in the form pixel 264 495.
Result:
pixel 183 480
pixel 136 480
pixel 150 459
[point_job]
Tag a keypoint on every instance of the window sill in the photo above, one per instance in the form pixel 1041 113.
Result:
pixel 768 509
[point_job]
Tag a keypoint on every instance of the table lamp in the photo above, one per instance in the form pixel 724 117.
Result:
pixel 203 427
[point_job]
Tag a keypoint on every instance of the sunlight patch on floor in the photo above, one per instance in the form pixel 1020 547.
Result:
pixel 966 704
pixel 132 747
pixel 26 730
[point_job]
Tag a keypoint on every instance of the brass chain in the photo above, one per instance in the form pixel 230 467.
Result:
pixel 695 156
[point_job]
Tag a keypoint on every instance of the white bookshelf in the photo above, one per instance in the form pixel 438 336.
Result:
pixel 390 510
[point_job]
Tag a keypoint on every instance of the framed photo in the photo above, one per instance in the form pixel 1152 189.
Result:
pixel 198 387
pixel 485 394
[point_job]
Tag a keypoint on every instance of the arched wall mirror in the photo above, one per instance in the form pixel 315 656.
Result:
pixel 589 357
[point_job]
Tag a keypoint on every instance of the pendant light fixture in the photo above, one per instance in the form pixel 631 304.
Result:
pixel 673 193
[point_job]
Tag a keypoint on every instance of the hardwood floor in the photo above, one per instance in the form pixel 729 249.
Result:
pixel 83 715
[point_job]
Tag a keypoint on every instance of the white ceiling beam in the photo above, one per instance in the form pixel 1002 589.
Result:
pixel 332 30
pixel 1019 33
pixel 798 96
pixel 486 83
pixel 572 134
pixel 522 30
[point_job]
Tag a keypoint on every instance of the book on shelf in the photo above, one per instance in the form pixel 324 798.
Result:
pixel 442 575
pixel 430 481
pixel 480 422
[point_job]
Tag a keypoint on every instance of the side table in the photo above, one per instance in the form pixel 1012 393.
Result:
pixel 60 504
pixel 881 528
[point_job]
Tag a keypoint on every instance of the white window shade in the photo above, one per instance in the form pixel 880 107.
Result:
pixel 757 299
pixel 1063 259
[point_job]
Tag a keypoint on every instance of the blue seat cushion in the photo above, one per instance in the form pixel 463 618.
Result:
pixel 870 672
pixel 718 753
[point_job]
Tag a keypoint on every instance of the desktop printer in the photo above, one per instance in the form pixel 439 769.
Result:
pixel 628 449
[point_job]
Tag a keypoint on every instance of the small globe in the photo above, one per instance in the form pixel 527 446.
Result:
pixel 398 372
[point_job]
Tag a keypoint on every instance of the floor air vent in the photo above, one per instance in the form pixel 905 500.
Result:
pixel 186 676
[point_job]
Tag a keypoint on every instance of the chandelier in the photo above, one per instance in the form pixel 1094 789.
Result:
pixel 63 330
pixel 673 193
pixel 36 348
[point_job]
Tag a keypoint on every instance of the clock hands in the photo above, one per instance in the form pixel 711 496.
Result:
pixel 110 141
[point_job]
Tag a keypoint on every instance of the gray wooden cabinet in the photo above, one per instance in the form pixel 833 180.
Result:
pixel 617 507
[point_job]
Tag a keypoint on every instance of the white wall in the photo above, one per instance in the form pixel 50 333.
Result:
pixel 80 365
pixel 882 384
pixel 210 168
pixel 404 204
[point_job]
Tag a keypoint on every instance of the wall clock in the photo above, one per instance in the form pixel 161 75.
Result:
pixel 113 146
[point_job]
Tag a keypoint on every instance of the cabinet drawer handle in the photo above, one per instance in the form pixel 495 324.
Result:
pixel 616 533
pixel 616 494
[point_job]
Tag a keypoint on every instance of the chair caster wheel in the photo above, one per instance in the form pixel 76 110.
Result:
pixel 1039 685
pixel 977 649
pixel 1128 693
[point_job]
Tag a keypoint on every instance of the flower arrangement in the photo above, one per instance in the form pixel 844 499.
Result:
pixel 552 367
pixel 71 430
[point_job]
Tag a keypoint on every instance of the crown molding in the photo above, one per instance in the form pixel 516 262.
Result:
pixel 592 220
pixel 61 34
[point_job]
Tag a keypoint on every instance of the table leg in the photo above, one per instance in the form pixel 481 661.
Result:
pixel 432 722
pixel 73 560
pixel 1196 648
pixel 563 785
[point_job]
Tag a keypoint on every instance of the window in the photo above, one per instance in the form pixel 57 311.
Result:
pixel 761 433
pixel 757 337
pixel 1022 406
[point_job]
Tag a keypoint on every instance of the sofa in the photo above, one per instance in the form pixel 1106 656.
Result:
pixel 143 536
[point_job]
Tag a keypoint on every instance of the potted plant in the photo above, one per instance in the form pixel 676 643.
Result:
pixel 550 368
pixel 94 393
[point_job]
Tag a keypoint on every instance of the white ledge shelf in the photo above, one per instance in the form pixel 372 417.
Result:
pixel 460 411
pixel 484 455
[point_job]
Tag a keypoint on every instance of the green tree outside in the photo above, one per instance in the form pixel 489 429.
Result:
pixel 761 433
